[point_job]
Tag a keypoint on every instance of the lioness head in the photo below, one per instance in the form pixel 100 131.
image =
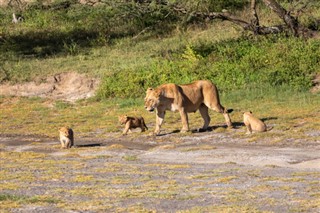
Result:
pixel 123 119
pixel 152 99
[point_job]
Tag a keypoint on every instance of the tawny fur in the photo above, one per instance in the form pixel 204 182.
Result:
pixel 199 95
pixel 253 124
pixel 132 123
pixel 66 137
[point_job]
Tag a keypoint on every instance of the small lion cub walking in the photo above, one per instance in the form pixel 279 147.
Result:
pixel 254 124
pixel 66 137
pixel 132 123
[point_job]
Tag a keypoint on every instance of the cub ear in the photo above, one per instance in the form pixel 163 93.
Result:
pixel 149 90
pixel 157 93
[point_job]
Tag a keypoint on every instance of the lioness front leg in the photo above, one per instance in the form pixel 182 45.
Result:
pixel 184 120
pixel 159 120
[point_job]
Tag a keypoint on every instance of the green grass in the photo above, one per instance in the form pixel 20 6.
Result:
pixel 64 40
pixel 25 199
pixel 287 111
pixel 267 75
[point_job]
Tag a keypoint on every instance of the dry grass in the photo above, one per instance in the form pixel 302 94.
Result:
pixel 121 176
pixel 107 185
pixel 296 116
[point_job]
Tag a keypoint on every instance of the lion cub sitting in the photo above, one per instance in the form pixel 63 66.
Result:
pixel 66 137
pixel 253 124
pixel 132 123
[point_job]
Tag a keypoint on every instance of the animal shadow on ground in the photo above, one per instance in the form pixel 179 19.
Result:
pixel 209 129
pixel 269 118
pixel 237 125
pixel 87 145
pixel 169 133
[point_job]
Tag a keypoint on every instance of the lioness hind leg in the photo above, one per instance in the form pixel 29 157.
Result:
pixel 225 112
pixel 227 118
pixel 203 109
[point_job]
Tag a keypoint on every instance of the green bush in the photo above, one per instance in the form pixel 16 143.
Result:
pixel 234 64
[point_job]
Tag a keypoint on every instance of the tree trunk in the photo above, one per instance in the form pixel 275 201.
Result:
pixel 255 19
pixel 289 20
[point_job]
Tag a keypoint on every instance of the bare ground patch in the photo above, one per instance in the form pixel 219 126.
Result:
pixel 70 86
pixel 198 172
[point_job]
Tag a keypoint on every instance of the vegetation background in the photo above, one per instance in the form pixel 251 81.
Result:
pixel 131 46
pixel 149 44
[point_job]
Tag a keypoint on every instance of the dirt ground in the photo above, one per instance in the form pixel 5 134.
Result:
pixel 194 172
pixel 69 86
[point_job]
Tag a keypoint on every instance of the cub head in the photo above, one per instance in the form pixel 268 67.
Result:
pixel 64 131
pixel 152 99
pixel 249 113
pixel 123 119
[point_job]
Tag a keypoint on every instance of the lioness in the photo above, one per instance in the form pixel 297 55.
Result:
pixel 132 123
pixel 199 95
pixel 253 124
pixel 66 137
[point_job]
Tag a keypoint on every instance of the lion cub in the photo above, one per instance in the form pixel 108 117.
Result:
pixel 253 124
pixel 132 123
pixel 66 137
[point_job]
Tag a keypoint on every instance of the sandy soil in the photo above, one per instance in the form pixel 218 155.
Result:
pixel 69 86
pixel 211 171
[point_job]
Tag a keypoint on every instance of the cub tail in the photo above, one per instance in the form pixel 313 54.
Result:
pixel 229 110
pixel 269 128
pixel 144 124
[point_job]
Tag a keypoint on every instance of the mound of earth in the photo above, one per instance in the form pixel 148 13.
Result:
pixel 69 86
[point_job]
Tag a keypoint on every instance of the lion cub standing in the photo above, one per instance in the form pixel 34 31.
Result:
pixel 66 137
pixel 132 123
pixel 253 124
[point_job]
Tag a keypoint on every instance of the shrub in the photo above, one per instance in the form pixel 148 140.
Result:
pixel 234 64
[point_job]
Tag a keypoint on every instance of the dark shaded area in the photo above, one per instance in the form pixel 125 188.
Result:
pixel 168 133
pixel 88 145
pixel 17 139
pixel 237 125
pixel 269 118
pixel 95 25
pixel 47 43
